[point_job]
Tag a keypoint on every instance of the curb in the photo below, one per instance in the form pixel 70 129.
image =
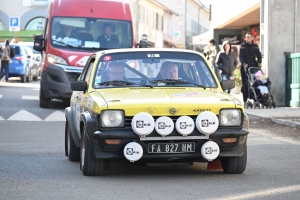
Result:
pixel 285 122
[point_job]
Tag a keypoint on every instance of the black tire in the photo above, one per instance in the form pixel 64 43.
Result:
pixel 66 102
pixel 88 165
pixel 36 77
pixel 235 165
pixel 23 78
pixel 44 102
pixel 274 105
pixel 29 77
pixel 72 151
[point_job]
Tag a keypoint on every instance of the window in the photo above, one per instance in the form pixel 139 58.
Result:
pixel 90 33
pixel 2 27
pixel 183 70
pixel 36 24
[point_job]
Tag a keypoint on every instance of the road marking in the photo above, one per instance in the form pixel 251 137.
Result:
pixel 56 116
pixel 263 193
pixel 24 115
pixel 30 97
pixel 1 118
pixel 1 96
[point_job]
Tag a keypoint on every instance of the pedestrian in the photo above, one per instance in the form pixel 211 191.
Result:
pixel 227 62
pixel 250 56
pixel 210 52
pixel 8 53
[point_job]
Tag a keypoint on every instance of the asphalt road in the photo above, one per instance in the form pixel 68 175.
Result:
pixel 33 164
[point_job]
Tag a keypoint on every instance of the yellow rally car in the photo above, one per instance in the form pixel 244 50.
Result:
pixel 153 106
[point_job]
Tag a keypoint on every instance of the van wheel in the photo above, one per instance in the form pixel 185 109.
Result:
pixel 88 165
pixel 44 102
pixel 235 165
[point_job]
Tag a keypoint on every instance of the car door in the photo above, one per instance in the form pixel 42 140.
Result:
pixel 79 96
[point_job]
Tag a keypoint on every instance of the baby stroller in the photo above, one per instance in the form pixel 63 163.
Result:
pixel 260 100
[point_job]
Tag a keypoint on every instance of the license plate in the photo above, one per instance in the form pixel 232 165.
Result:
pixel 183 147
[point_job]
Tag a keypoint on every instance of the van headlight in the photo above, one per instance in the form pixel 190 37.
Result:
pixel 56 59
pixel 112 118
pixel 230 117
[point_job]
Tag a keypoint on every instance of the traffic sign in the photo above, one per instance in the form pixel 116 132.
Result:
pixel 14 23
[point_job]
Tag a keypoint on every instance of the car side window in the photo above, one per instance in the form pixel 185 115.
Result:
pixel 86 73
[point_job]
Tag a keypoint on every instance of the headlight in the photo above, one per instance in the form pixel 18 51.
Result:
pixel 56 59
pixel 112 118
pixel 230 117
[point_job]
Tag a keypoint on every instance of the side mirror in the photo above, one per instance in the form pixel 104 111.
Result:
pixel 227 84
pixel 79 86
pixel 38 43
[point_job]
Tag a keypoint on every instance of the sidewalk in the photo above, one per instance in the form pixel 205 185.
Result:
pixel 281 115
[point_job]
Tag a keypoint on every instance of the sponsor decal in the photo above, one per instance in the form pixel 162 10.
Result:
pixel 206 123
pixel 130 151
pixel 209 150
pixel 141 124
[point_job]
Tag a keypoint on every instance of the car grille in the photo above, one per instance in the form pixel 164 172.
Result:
pixel 73 76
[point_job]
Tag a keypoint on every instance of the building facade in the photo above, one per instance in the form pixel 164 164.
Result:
pixel 192 19
pixel 31 14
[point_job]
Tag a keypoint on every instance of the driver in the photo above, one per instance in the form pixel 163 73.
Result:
pixel 169 70
pixel 116 71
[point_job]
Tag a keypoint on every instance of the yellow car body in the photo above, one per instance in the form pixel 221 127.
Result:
pixel 129 104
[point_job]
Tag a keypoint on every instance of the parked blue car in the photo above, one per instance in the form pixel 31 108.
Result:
pixel 23 64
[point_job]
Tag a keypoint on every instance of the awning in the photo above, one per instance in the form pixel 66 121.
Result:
pixel 247 18
pixel 170 43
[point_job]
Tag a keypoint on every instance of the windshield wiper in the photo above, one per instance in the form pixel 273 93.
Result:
pixel 60 42
pixel 173 81
pixel 116 82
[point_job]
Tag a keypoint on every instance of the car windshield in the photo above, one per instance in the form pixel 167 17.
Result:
pixel 153 69
pixel 90 33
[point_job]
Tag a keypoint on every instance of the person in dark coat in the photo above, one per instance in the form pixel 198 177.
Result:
pixel 108 40
pixel 250 56
pixel 8 54
pixel 227 62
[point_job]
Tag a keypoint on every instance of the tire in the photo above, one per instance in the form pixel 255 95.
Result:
pixel 29 77
pixel 235 165
pixel 44 102
pixel 88 165
pixel 36 77
pixel 66 102
pixel 72 151
pixel 23 78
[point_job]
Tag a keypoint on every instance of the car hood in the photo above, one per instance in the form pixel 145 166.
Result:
pixel 158 102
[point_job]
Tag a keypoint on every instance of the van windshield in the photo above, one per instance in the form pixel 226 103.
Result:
pixel 90 33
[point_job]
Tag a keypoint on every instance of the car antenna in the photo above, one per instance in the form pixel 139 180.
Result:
pixel 91 6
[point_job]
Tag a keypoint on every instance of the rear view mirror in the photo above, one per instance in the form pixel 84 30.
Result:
pixel 227 84
pixel 151 60
pixel 79 86
pixel 38 43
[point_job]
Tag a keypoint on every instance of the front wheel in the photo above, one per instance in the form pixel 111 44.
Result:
pixel 88 165
pixel 72 151
pixel 235 165
pixel 44 101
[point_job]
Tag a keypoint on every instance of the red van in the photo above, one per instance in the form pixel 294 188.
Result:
pixel 74 29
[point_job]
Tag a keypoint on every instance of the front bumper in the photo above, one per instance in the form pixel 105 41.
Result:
pixel 56 80
pixel 115 152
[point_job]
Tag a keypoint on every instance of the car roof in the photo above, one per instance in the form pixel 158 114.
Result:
pixel 154 50
pixel 26 43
